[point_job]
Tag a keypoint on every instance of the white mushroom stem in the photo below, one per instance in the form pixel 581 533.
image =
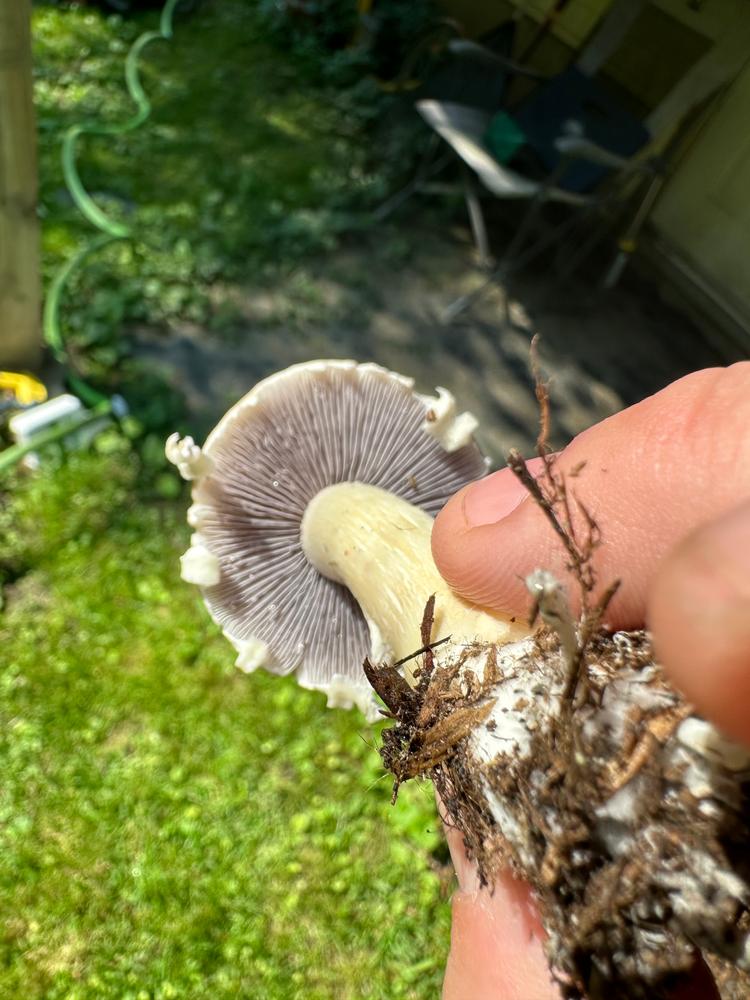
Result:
pixel 378 546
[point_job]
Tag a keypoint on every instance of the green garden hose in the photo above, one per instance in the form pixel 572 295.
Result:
pixel 110 230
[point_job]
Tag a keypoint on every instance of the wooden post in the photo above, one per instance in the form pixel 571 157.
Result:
pixel 20 327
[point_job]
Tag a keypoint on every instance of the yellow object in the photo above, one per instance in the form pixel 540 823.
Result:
pixel 25 389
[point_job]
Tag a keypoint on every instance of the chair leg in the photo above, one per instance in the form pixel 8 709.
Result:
pixel 462 303
pixel 513 258
pixel 506 264
pixel 476 218
pixel 535 209
pixel 584 247
pixel 513 253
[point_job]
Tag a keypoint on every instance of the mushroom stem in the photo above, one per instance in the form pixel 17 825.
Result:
pixel 378 546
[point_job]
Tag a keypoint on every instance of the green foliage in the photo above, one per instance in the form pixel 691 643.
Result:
pixel 249 163
pixel 317 32
pixel 154 405
pixel 336 43
pixel 171 828
pixel 78 497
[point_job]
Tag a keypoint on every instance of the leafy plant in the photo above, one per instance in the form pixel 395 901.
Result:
pixel 252 160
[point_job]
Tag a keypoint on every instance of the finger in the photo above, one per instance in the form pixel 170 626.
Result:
pixel 496 936
pixel 653 473
pixel 495 951
pixel 699 614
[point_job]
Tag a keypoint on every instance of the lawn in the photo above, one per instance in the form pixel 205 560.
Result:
pixel 256 157
pixel 170 828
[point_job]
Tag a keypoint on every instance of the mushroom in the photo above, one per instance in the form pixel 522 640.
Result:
pixel 312 509
pixel 312 513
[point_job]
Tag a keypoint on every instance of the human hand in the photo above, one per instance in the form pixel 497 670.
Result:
pixel 669 483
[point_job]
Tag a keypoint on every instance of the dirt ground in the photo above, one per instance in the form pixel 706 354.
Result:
pixel 380 297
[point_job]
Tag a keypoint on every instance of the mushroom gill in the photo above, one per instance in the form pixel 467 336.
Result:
pixel 295 435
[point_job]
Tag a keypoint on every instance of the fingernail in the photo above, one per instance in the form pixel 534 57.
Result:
pixel 490 500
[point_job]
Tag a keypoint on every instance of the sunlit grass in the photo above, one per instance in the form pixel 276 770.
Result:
pixel 169 827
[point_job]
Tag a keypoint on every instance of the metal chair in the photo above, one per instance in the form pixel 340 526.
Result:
pixel 582 149
pixel 563 164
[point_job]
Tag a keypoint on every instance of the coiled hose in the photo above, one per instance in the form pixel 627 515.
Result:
pixel 110 231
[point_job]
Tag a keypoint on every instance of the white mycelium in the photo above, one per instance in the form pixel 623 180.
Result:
pixel 524 702
pixel 705 740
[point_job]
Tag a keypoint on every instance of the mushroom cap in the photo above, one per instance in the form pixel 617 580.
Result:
pixel 298 431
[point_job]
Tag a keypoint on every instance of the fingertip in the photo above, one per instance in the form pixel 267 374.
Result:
pixel 496 934
pixel 496 947
pixel 699 615
pixel 651 474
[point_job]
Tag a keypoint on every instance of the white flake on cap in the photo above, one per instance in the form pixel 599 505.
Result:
pixel 252 653
pixel 452 430
pixel 199 565
pixel 341 692
pixel 197 514
pixel 187 456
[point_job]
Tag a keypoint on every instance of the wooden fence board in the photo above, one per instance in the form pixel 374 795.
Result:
pixel 20 327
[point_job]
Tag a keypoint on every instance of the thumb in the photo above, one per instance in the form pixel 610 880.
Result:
pixel 653 473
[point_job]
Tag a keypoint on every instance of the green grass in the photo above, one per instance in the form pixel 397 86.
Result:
pixel 168 826
pixel 252 160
